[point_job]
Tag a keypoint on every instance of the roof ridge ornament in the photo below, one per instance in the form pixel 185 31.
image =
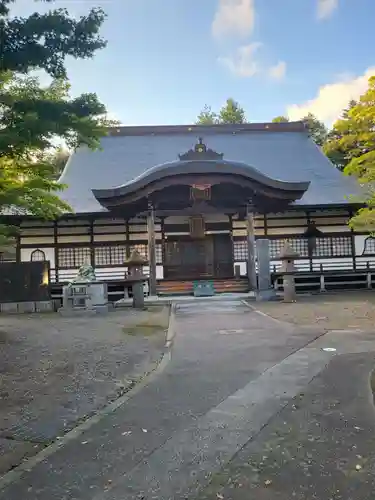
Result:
pixel 200 152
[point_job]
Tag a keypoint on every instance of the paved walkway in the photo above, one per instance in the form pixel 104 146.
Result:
pixel 231 371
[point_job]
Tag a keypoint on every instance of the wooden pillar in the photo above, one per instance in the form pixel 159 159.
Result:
pixel 92 249
pixel 151 248
pixel 352 241
pixel 265 223
pixel 18 243
pixel 251 270
pixel 127 239
pixel 162 229
pixel 56 251
pixel 308 220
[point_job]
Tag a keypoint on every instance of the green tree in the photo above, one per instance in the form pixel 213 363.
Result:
pixel 353 139
pixel 31 116
pixel 317 130
pixel 207 116
pixel 334 147
pixel 231 112
pixel 280 119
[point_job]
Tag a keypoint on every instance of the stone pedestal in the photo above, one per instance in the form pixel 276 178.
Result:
pixel 265 289
pixel 85 298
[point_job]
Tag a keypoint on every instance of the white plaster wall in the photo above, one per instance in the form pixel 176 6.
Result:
pixel 359 243
pixel 49 253
pixel 361 262
pixel 243 267
pixel 334 229
pixel 42 240
pixel 331 264
pixel 109 237
pixel 69 230
pixel 74 239
pixel 274 231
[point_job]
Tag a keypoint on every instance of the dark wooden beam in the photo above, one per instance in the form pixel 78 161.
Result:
pixel 251 270
pixel 92 249
pixel 151 249
pixel 56 250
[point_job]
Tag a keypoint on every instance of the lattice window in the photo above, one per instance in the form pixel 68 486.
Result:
pixel 300 245
pixel 74 257
pixel 240 250
pixel 341 246
pixel 369 247
pixel 159 253
pixel 336 246
pixel 38 255
pixel 110 255
pixel 275 248
pixel 141 248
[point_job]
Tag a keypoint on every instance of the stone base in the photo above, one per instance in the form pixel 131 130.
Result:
pixel 27 307
pixel 70 312
pixel 82 311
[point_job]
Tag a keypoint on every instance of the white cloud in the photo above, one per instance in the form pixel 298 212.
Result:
pixel 234 17
pixel 245 64
pixel 332 98
pixel 326 8
pixel 278 71
pixel 242 62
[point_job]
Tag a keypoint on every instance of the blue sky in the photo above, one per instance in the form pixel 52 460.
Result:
pixel 166 59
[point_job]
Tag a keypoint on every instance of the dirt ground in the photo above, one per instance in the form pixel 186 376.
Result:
pixel 56 371
pixel 341 311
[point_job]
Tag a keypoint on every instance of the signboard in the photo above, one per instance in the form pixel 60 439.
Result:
pixel 203 288
pixel 24 282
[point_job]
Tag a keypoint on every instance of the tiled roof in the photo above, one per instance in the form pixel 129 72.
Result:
pixel 280 151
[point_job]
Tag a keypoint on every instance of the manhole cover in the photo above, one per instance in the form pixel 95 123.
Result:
pixel 228 332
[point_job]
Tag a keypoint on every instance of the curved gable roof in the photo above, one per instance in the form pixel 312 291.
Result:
pixel 282 152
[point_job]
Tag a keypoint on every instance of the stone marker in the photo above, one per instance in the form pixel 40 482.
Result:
pixel 265 289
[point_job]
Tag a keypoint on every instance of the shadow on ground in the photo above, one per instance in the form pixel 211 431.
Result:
pixel 320 446
pixel 57 371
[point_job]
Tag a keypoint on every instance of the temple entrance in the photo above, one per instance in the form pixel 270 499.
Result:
pixel 202 258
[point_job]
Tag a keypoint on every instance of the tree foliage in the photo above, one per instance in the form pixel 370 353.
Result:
pixel 230 113
pixel 280 119
pixel 352 143
pixel 207 116
pixel 317 130
pixel 32 116
pixel 334 146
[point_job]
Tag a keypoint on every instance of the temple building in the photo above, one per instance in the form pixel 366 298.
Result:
pixel 193 200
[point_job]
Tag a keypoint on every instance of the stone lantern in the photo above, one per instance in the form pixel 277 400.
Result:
pixel 287 257
pixel 136 278
pixel 135 264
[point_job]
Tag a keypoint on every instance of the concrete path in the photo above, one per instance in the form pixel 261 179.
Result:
pixel 231 371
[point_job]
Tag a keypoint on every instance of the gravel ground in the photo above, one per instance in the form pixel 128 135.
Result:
pixel 329 311
pixel 55 371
